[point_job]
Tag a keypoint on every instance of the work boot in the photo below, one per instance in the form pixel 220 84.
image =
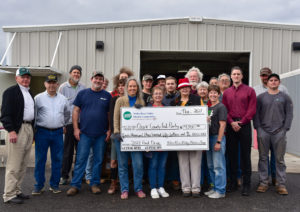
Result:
pixel 72 191
pixel 113 187
pixel 262 188
pixel 282 190
pixel 95 189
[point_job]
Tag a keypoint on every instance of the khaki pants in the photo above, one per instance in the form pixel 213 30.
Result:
pixel 190 170
pixel 17 159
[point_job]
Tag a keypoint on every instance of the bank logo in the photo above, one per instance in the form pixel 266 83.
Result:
pixel 127 115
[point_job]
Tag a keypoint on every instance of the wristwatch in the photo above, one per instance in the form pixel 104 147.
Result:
pixel 218 142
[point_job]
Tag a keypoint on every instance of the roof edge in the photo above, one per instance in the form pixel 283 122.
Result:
pixel 192 20
pixel 88 25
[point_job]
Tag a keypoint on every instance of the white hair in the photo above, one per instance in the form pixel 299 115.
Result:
pixel 200 75
pixel 202 84
pixel 223 75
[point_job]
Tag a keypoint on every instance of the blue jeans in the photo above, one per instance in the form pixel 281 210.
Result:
pixel 43 140
pixel 272 164
pixel 157 169
pixel 137 165
pixel 89 166
pixel 217 165
pixel 83 150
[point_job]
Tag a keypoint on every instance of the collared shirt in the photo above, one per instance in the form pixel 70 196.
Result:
pixel 51 111
pixel 240 103
pixel 70 93
pixel 28 104
pixel 259 89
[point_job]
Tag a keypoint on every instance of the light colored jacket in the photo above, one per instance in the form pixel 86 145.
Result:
pixel 122 102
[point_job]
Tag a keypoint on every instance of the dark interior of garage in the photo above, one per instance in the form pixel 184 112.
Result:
pixel 176 64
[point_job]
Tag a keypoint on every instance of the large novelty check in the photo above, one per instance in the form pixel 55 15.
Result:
pixel 164 128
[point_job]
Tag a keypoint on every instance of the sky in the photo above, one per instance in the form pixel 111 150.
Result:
pixel 37 12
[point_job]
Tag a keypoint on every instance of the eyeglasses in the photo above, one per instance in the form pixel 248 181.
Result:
pixel 225 80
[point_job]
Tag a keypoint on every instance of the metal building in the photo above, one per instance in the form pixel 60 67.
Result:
pixel 291 81
pixel 169 46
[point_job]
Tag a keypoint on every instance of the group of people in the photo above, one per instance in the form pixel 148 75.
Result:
pixel 90 119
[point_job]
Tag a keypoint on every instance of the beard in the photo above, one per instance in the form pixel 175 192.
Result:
pixel 96 86
pixel 74 80
pixel 194 84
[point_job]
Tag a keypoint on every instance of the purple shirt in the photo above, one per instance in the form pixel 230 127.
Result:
pixel 240 103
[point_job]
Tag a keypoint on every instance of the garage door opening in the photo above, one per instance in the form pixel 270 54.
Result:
pixel 176 64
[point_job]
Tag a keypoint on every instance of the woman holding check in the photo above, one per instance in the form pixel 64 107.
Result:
pixel 132 98
pixel 217 143
pixel 189 161
pixel 157 160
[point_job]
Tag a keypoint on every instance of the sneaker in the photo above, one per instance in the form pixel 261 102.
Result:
pixel 95 189
pixel 63 181
pixel 141 194
pixel 36 191
pixel 162 192
pixel 55 190
pixel 282 190
pixel 262 188
pixel 211 191
pixel 154 193
pixel 72 191
pixel 216 195
pixel 15 200
pixel 124 195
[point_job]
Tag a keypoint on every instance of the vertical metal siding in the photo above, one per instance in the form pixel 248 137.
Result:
pixel 293 86
pixel 127 48
pixel 122 45
pixel 165 37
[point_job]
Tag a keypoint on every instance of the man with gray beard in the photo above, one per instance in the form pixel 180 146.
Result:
pixel 195 76
pixel 70 90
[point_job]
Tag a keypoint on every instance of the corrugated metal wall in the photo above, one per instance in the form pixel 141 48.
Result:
pixel 268 46
pixel 293 86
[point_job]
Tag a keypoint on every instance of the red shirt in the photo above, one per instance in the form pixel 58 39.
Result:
pixel 240 103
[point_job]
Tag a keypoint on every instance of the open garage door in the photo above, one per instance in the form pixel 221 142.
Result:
pixel 177 63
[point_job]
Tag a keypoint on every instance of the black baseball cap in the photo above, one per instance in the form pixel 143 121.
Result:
pixel 273 75
pixel 75 67
pixel 51 78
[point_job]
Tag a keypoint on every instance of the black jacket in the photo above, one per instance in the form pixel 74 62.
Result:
pixel 12 109
pixel 193 100
pixel 111 112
